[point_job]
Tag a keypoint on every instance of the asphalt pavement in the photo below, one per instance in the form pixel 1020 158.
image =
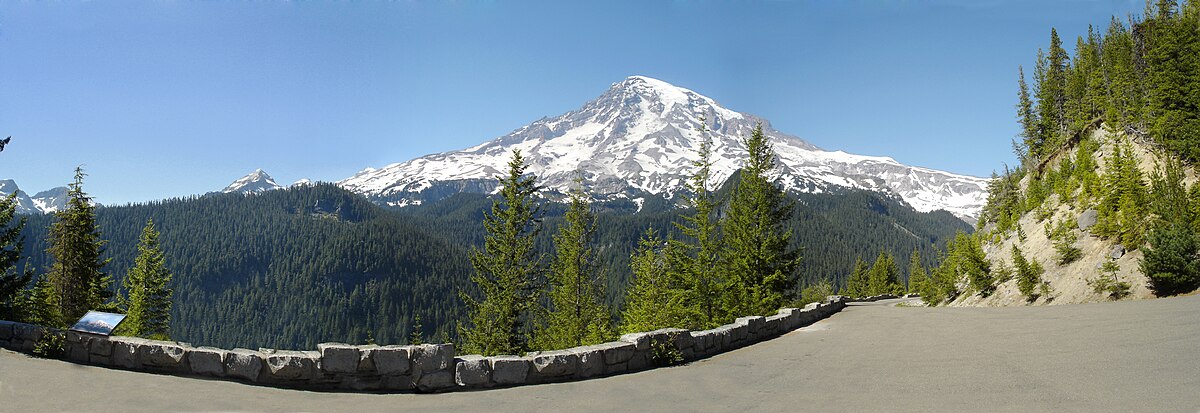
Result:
pixel 1121 356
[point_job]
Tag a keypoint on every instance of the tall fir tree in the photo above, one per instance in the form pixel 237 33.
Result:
pixel 1027 118
pixel 857 284
pixel 884 276
pixel 654 299
pixel 12 281
pixel 77 272
pixel 577 315
pixel 760 262
pixel 507 270
pixel 696 259
pixel 149 312
pixel 916 272
pixel 41 304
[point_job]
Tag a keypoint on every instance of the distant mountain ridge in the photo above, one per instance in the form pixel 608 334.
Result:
pixel 44 202
pixel 640 137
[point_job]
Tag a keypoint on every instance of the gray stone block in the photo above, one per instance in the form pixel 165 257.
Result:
pixel 76 345
pixel 243 363
pixel 292 365
pixel 617 351
pixel 366 363
pixel 161 354
pixel 754 325
pixel 509 369
pixel 207 361
pixel 472 371
pixel 548 364
pixel 101 346
pixel 433 357
pixel 591 361
pixel 392 360
pixel 125 351
pixel 6 330
pixel 435 381
pixel 339 358
pixel 400 382
pixel 641 341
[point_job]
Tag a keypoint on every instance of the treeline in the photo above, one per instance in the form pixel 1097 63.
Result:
pixel 739 262
pixel 287 269
pixel 1138 80
pixel 76 280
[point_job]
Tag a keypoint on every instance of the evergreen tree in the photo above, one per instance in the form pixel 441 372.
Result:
pixel 1029 273
pixel 77 271
pixel 858 283
pixel 41 305
pixel 506 270
pixel 1027 118
pixel 654 300
pixel 696 259
pixel 577 315
pixel 149 312
pixel 916 272
pixel 884 276
pixel 12 281
pixel 759 260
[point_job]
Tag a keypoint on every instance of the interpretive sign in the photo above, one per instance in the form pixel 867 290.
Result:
pixel 98 322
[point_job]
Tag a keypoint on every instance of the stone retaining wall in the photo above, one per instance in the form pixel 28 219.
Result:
pixel 424 368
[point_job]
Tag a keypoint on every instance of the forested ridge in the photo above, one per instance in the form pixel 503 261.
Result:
pixel 310 264
pixel 1138 82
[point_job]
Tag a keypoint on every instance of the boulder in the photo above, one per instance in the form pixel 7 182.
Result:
pixel 207 361
pixel 243 363
pixel 338 357
pixel 509 369
pixel 1118 251
pixel 391 360
pixel 436 381
pixel 6 330
pixel 616 351
pixel 547 364
pixel 434 357
pixel 125 350
pixel 161 354
pixel 472 371
pixel 366 363
pixel 1087 219
pixel 591 361
pixel 292 365
pixel 641 341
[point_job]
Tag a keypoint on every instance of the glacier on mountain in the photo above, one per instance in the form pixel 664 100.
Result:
pixel 641 136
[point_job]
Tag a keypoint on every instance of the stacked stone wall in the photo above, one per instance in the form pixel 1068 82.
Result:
pixel 422 368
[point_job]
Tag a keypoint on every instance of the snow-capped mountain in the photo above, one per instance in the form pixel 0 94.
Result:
pixel 51 200
pixel 253 183
pixel 641 136
pixel 44 202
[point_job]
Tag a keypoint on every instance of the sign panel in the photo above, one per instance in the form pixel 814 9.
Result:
pixel 98 322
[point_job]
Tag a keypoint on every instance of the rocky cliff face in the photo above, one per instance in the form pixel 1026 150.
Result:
pixel 1069 283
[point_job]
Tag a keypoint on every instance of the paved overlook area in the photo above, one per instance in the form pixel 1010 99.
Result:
pixel 1124 356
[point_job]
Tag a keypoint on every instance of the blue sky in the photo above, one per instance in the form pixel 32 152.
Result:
pixel 172 98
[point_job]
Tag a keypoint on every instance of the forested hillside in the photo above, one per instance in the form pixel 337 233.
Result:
pixel 1104 202
pixel 289 269
pixel 296 267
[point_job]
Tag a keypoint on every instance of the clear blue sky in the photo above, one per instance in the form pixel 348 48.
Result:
pixel 172 98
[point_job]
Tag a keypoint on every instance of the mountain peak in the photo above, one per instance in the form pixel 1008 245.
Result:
pixel 641 136
pixel 255 182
